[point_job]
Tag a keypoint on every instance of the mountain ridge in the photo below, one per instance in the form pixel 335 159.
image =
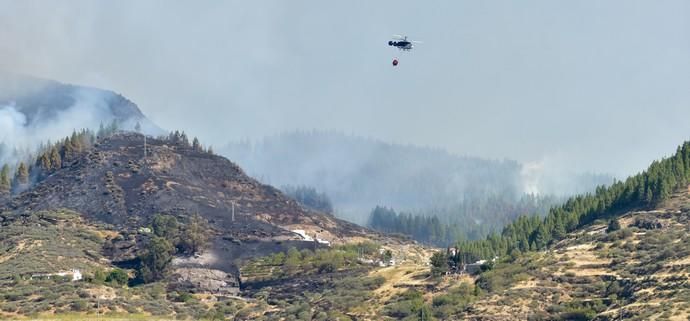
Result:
pixel 113 183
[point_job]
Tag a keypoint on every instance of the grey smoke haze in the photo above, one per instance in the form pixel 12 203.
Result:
pixel 358 174
pixel 588 85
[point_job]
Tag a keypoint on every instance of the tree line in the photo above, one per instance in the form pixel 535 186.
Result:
pixel 47 160
pixel 50 157
pixel 645 190
pixel 180 138
pixel 472 219
pixel 309 197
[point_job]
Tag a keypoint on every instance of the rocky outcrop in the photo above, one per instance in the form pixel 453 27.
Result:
pixel 204 280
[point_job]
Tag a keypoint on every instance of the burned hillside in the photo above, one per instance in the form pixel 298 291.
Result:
pixel 115 183
pixel 120 186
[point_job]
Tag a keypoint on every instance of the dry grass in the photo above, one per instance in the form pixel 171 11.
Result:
pixel 398 279
pixel 93 317
pixel 581 260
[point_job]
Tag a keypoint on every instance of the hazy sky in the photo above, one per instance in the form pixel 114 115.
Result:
pixel 593 85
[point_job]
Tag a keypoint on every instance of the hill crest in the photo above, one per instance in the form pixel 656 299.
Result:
pixel 113 183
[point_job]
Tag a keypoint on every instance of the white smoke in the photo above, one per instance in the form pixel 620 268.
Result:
pixel 531 174
pixel 21 135
pixel 554 175
pixel 12 124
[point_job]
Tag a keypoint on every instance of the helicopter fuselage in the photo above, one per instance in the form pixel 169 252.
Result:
pixel 402 44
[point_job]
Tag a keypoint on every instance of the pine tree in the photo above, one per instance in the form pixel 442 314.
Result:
pixel 55 159
pixel 137 127
pixel 76 143
pixel 559 231
pixel 166 226
pixel 183 139
pixel 68 150
pixel 175 136
pixel 101 131
pixel 5 179
pixel 541 237
pixel 196 145
pixel 649 195
pixel 45 162
pixel 22 174
pixel 439 263
pixel 665 187
pixel 112 128
pixel 155 261
pixel 194 235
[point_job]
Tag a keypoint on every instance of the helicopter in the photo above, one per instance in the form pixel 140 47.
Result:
pixel 402 43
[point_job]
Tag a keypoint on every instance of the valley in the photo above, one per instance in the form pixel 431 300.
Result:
pixel 334 161
pixel 108 212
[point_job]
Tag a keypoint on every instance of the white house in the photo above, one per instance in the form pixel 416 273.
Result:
pixel 75 274
pixel 303 234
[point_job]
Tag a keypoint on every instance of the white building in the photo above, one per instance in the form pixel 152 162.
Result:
pixel 327 243
pixel 75 274
pixel 303 234
pixel 307 238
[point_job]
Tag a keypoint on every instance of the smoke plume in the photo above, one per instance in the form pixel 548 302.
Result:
pixel 34 112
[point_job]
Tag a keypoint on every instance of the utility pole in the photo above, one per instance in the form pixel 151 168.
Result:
pixel 233 211
pixel 144 148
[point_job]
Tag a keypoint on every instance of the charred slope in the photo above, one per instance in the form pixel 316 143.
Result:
pixel 114 183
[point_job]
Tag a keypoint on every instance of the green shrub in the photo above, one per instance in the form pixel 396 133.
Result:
pixel 79 305
pixel 502 276
pixel 83 294
pixel 183 297
pixel 117 277
pixel 580 314
pixel 613 226
pixel 439 263
pixel 9 307
pixel 14 296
